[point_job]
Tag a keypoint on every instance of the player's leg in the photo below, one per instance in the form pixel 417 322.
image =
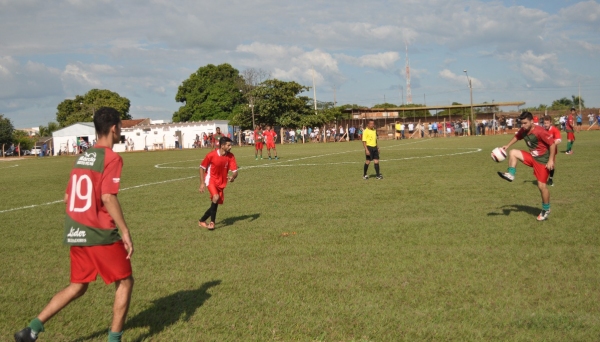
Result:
pixel 550 181
pixel 123 289
pixel 269 151
pixel 57 303
pixel 545 194
pixel 513 157
pixel 275 151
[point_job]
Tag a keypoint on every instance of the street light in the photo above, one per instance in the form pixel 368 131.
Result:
pixel 251 105
pixel 471 91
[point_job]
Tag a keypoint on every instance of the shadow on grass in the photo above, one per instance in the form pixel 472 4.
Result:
pixel 534 182
pixel 165 312
pixel 508 209
pixel 231 220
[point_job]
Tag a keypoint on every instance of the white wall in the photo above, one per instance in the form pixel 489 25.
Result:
pixel 148 135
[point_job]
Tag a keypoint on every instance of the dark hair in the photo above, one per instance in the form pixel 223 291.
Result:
pixel 104 119
pixel 224 140
pixel 548 118
pixel 526 115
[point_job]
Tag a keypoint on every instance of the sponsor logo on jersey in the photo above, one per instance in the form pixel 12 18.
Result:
pixel 116 180
pixel 76 236
pixel 87 159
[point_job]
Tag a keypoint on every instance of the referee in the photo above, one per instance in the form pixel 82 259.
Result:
pixel 369 140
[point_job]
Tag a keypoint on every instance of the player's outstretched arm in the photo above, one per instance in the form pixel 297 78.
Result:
pixel 512 141
pixel 111 202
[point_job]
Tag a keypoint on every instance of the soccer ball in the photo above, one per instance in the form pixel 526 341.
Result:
pixel 498 154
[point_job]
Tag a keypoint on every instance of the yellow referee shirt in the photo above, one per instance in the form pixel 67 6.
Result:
pixel 370 137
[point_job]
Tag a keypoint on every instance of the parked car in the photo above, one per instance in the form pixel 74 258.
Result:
pixel 36 151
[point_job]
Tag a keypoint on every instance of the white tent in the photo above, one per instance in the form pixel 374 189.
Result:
pixel 65 138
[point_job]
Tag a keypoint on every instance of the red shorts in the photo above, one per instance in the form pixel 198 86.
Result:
pixel 540 171
pixel 214 190
pixel 107 260
pixel 258 145
pixel 570 136
pixel 270 145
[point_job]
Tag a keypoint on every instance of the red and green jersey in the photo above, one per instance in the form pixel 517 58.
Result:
pixel 538 140
pixel 258 137
pixel 270 136
pixel 217 167
pixel 569 124
pixel 96 172
pixel 216 139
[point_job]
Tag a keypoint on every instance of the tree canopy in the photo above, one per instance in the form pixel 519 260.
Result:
pixel 6 130
pixel 212 92
pixel 81 109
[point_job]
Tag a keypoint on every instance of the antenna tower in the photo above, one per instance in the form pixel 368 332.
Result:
pixel 408 92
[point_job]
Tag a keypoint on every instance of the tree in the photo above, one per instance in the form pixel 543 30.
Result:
pixel 250 79
pixel 46 131
pixel 22 139
pixel 6 130
pixel 212 92
pixel 278 102
pixel 385 105
pixel 82 108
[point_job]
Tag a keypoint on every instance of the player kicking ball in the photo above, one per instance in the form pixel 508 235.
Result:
pixel 540 157
pixel 214 171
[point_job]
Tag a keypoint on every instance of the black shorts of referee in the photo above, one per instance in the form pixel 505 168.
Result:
pixel 373 153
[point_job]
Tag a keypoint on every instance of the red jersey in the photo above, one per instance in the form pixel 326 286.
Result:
pixel 569 124
pixel 538 140
pixel 217 168
pixel 270 136
pixel 555 134
pixel 96 172
pixel 258 136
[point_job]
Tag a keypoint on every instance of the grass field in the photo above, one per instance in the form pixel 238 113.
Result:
pixel 305 250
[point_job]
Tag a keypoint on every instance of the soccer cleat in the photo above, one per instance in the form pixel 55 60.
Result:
pixel 269 158
pixel 255 158
pixel 379 177
pixel 211 226
pixel 365 177
pixel 549 182
pixel 202 224
pixel 277 158
pixel 543 216
pixel 569 152
pixel 25 335
pixel 506 176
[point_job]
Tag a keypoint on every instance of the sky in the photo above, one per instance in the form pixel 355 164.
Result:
pixel 531 51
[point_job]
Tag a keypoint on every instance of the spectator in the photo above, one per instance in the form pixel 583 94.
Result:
pixel 579 122
pixel 591 118
pixel 351 132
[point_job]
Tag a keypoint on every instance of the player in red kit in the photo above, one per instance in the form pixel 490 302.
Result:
pixel 258 142
pixel 214 175
pixel 557 139
pixel 93 220
pixel 569 127
pixel 540 157
pixel 270 137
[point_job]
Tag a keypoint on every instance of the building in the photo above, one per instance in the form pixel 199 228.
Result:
pixel 65 139
pixel 154 136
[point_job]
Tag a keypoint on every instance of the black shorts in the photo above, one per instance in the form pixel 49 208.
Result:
pixel 373 153
pixel 579 124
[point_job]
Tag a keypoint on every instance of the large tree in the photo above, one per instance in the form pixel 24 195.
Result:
pixel 82 108
pixel 212 92
pixel 6 130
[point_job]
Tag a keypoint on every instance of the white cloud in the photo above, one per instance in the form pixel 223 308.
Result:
pixel 382 61
pixel 460 78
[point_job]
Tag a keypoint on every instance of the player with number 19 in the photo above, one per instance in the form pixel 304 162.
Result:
pixel 93 215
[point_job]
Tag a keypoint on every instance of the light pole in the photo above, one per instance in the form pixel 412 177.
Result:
pixel 251 105
pixel 471 91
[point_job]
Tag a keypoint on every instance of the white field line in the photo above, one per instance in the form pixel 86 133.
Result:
pixel 159 166
pixel 276 164
pixel 8 167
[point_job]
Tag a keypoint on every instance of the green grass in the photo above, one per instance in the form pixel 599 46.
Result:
pixel 305 250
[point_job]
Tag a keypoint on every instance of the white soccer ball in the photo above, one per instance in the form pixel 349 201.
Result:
pixel 498 154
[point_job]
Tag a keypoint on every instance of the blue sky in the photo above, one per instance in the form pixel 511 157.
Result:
pixel 532 51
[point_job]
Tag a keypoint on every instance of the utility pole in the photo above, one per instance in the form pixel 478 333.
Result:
pixel 471 91
pixel 334 99
pixel 314 90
